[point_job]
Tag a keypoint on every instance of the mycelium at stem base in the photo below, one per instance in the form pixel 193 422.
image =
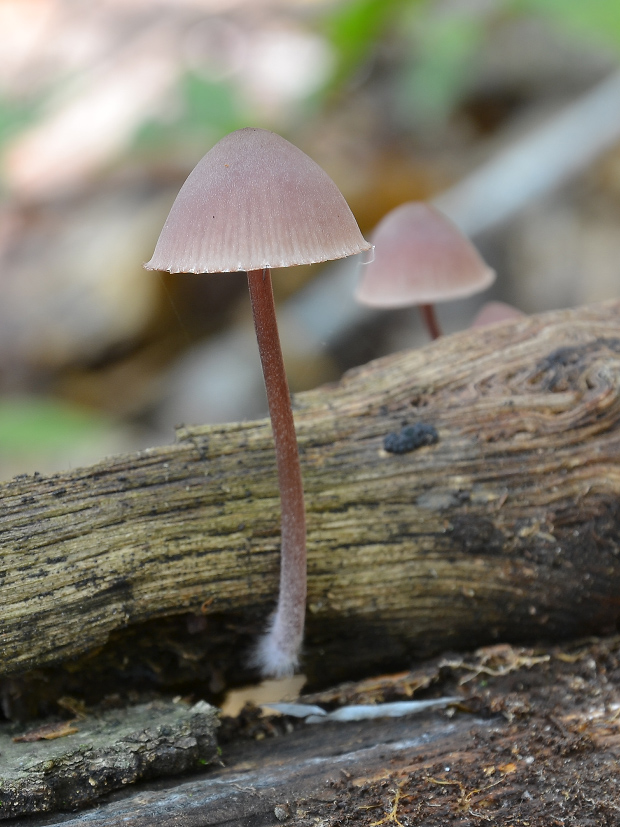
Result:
pixel 277 652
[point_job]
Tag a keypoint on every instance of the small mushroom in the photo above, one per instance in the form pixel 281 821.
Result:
pixel 495 312
pixel 421 258
pixel 252 203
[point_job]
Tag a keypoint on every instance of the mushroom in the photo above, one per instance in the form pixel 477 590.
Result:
pixel 252 203
pixel 421 258
pixel 495 312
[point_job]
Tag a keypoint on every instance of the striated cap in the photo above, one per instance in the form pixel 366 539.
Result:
pixel 420 258
pixel 255 201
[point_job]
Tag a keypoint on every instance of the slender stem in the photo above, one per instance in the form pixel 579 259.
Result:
pixel 278 651
pixel 430 320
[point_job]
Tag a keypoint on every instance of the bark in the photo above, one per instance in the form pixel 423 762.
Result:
pixel 505 527
pixel 69 764
pixel 529 744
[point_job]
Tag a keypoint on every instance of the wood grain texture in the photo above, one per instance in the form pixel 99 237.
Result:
pixel 98 753
pixel 506 528
pixel 528 744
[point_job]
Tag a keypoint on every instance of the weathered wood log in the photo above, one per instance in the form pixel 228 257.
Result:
pixel 72 763
pixel 507 527
pixel 531 741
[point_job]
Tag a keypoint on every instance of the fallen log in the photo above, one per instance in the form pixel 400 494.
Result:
pixel 63 765
pixel 530 741
pixel 494 515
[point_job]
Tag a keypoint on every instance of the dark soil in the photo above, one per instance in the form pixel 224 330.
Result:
pixel 543 747
pixel 532 741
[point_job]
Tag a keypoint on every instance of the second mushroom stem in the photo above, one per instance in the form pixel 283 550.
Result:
pixel 278 651
pixel 430 320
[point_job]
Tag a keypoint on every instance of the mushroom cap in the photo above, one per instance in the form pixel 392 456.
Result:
pixel 420 258
pixel 494 312
pixel 255 201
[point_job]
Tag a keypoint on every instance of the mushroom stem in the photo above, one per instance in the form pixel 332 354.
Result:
pixel 277 653
pixel 430 320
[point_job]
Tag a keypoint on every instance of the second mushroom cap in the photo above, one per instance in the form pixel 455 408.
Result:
pixel 420 258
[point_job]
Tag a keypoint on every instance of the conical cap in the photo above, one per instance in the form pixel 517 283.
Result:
pixel 420 257
pixel 255 201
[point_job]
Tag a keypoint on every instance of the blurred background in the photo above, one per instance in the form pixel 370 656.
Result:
pixel 506 112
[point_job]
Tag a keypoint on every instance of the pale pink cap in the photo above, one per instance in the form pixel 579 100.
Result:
pixel 494 312
pixel 255 201
pixel 420 258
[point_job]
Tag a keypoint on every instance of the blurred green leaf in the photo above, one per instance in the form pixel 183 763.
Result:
pixel 353 27
pixel 213 104
pixel 597 20
pixel 204 108
pixel 443 43
pixel 15 116
pixel 444 50
pixel 28 425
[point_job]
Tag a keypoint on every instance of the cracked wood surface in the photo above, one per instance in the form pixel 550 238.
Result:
pixel 505 528
pixel 534 734
pixel 68 764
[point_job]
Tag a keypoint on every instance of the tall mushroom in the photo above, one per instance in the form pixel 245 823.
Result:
pixel 421 258
pixel 252 203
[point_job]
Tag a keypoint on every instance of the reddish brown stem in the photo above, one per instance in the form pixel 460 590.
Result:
pixel 430 320
pixel 278 651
